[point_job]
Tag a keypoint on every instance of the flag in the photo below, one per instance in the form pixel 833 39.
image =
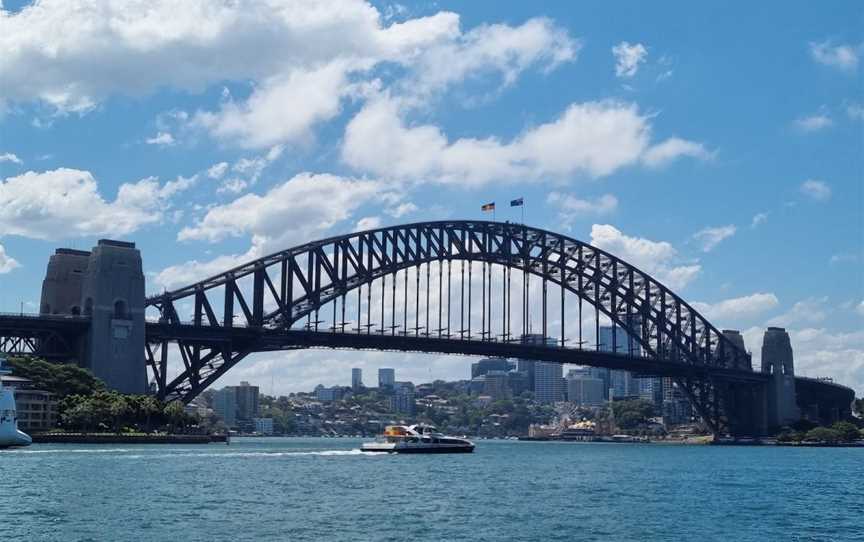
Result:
pixel 518 202
pixel 488 207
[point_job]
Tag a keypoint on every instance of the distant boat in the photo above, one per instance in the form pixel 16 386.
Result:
pixel 9 433
pixel 417 439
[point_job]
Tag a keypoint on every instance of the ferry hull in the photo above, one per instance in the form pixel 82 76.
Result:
pixel 418 449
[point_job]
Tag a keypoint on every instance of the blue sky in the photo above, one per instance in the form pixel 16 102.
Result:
pixel 718 147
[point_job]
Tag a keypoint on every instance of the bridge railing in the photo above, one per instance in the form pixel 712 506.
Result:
pixel 36 316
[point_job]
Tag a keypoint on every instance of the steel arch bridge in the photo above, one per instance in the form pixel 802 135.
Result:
pixel 462 287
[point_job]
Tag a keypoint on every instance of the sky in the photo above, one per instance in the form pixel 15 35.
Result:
pixel 719 147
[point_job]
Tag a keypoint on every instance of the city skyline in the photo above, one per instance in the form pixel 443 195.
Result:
pixel 755 226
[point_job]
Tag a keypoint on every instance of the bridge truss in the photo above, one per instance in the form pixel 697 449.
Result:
pixel 470 287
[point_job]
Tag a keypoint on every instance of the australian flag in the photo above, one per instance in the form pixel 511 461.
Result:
pixel 518 202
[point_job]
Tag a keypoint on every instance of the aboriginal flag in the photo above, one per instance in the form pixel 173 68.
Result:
pixel 488 207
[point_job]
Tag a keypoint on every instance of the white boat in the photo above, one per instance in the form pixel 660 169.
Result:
pixel 417 439
pixel 9 433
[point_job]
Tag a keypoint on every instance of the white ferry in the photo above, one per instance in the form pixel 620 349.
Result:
pixel 417 439
pixel 9 433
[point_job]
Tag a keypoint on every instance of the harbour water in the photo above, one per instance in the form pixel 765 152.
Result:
pixel 325 489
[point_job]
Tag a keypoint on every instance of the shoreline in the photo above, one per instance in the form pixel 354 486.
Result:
pixel 111 438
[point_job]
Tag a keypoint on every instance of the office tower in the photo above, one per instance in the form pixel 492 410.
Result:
pixel 356 379
pixel 386 378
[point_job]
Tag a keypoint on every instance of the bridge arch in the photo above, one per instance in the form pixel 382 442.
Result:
pixel 276 293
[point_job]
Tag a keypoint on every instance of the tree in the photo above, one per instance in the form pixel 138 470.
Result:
pixel 847 431
pixel 822 434
pixel 61 379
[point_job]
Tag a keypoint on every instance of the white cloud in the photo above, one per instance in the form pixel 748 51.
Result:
pixel 709 238
pixel 843 57
pixel 282 108
pixel 164 139
pixel 72 54
pixel 673 148
pixel 177 276
pixel 232 186
pixel 628 57
pixel 570 207
pixel 592 139
pixel 814 123
pixel 657 258
pixel 758 220
pixel 860 308
pixel 9 157
pixel 7 263
pixel 402 209
pixel 809 311
pixel 368 223
pixel 299 209
pixel 855 111
pixel 64 202
pixel 489 49
pixel 729 312
pixel 815 189
pixel 217 171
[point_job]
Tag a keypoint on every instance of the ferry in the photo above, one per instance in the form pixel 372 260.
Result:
pixel 9 433
pixel 417 439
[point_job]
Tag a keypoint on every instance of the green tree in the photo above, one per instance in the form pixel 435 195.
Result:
pixel 847 431
pixel 61 379
pixel 822 434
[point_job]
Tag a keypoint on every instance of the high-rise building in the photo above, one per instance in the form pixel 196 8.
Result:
pixel 225 405
pixel 551 391
pixel 496 384
pixel 547 382
pixel 386 378
pixel 490 364
pixel 356 379
pixel 247 401
pixel 585 391
pixel 621 383
pixel 237 405
pixel 402 400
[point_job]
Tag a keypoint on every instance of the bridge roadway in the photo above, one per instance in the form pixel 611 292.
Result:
pixel 20 333
pixel 269 340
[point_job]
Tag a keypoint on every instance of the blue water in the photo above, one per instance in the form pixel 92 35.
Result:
pixel 324 489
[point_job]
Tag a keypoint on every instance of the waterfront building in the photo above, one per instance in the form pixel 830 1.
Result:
pixel 225 405
pixel 402 400
pixel 237 405
pixel 36 409
pixel 490 364
pixel 356 379
pixel 386 378
pixel 263 426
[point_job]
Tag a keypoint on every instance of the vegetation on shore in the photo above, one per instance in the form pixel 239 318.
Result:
pixel 805 431
pixel 85 404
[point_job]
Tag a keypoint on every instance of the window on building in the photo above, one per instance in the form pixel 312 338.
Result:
pixel 120 309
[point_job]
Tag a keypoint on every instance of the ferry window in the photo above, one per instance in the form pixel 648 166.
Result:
pixel 88 306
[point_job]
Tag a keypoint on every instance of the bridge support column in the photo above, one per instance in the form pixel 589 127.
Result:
pixel 782 408
pixel 113 297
